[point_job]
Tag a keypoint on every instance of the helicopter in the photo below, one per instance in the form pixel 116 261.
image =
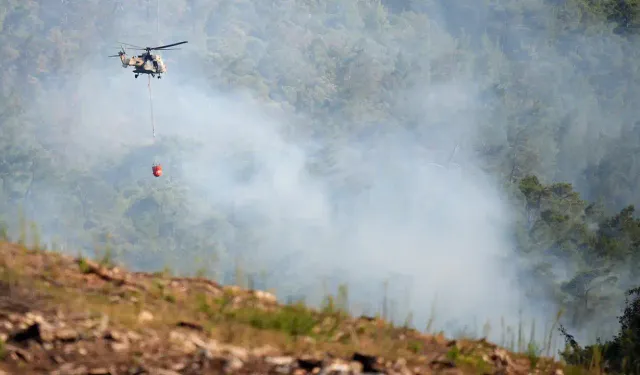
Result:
pixel 147 63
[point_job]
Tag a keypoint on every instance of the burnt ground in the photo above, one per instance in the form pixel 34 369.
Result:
pixel 65 315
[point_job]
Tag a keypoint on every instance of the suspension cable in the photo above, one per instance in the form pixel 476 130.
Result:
pixel 153 125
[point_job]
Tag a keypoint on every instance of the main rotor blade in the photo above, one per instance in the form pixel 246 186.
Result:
pixel 131 45
pixel 114 56
pixel 170 45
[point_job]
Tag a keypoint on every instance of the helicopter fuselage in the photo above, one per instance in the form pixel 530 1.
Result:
pixel 147 63
pixel 144 64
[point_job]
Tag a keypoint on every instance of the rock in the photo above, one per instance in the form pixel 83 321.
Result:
pixel 79 370
pixel 308 340
pixel 178 366
pixel 280 361
pixel 178 338
pixel 451 371
pixel 368 361
pixel 501 358
pixel 233 364
pixel 266 297
pixel 66 335
pixel 89 324
pixel 336 368
pixel 237 352
pixel 281 364
pixel 66 369
pixel 48 336
pixel 400 367
pixel 104 323
pixel 135 370
pixel 31 318
pixel 559 372
pixel 119 346
pixel 14 318
pixel 18 354
pixel 115 336
pixel 133 336
pixel 442 362
pixel 161 371
pixel 145 317
pixel 264 351
pixel 356 367
pixel 99 371
pixel 198 341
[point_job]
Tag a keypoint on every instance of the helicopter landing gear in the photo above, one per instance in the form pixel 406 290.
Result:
pixel 135 75
pixel 159 76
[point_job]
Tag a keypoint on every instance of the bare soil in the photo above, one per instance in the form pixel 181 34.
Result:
pixel 64 315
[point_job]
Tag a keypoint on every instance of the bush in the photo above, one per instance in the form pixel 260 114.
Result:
pixel 619 355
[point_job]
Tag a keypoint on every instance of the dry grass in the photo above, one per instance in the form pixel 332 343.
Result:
pixel 238 316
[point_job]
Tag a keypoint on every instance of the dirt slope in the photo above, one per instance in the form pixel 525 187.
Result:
pixel 60 315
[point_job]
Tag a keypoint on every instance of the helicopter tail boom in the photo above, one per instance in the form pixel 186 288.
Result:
pixel 122 54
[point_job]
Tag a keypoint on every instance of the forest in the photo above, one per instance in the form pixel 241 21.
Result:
pixel 480 153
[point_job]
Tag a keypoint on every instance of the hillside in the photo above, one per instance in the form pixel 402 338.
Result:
pixel 60 315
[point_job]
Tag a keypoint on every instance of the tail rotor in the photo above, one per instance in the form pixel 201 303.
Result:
pixel 121 54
